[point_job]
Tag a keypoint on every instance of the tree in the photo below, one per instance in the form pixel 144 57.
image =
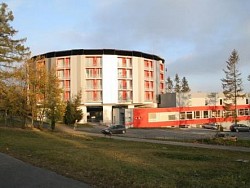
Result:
pixel 69 118
pixel 177 87
pixel 181 88
pixel 37 81
pixel 169 85
pixel 73 113
pixel 54 104
pixel 12 52
pixel 232 84
pixel 77 103
pixel 184 85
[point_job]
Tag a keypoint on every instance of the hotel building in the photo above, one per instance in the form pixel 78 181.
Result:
pixel 112 82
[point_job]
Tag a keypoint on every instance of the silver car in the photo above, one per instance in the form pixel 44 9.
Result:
pixel 239 128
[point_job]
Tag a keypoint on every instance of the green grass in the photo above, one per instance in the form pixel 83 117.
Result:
pixel 105 162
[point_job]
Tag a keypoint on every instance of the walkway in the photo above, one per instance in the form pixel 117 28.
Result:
pixel 17 174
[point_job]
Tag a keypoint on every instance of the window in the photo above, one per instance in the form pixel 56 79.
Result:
pixel 161 77
pixel 221 101
pixel 197 114
pixel 243 112
pixel 161 67
pixel 125 95
pixel 93 61
pixel 189 115
pixel 67 95
pixel 205 114
pixel 218 113
pixel 171 117
pixel 152 117
pixel 93 73
pixel 246 112
pixel 182 115
pixel 246 101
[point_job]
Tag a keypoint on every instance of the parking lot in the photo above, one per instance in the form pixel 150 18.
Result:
pixel 169 133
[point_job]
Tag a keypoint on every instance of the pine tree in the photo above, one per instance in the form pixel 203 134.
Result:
pixel 11 50
pixel 77 103
pixel 177 87
pixel 73 113
pixel 169 85
pixel 184 85
pixel 69 118
pixel 232 84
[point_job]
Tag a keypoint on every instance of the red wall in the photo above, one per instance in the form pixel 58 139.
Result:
pixel 141 116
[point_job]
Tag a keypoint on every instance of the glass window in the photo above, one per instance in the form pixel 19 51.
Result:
pixel 205 114
pixel 246 112
pixel 197 114
pixel 182 115
pixel 171 117
pixel 189 115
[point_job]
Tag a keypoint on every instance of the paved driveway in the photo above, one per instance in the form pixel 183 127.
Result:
pixel 17 174
pixel 169 133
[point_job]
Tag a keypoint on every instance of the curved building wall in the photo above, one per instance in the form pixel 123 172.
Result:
pixel 109 78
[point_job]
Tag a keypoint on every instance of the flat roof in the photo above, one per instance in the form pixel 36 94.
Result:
pixel 101 52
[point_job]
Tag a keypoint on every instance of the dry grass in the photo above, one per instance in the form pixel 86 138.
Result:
pixel 105 162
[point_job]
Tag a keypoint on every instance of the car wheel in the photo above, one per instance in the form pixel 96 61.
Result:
pixel 237 130
pixel 123 132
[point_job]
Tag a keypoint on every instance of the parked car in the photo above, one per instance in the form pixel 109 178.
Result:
pixel 210 126
pixel 239 128
pixel 114 129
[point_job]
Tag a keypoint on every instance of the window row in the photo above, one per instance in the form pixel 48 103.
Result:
pixel 124 73
pixel 94 96
pixel 125 84
pixel 65 84
pixel 63 62
pixel 148 74
pixel 149 85
pixel 124 62
pixel 211 114
pixel 93 73
pixel 125 96
pixel 63 74
pixel 148 64
pixel 148 95
pixel 93 62
pixel 94 84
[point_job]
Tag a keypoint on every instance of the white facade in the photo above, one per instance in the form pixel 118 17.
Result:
pixel 109 78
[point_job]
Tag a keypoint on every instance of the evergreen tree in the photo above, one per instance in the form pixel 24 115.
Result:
pixel 177 87
pixel 73 113
pixel 169 85
pixel 184 85
pixel 11 50
pixel 69 113
pixel 77 103
pixel 232 84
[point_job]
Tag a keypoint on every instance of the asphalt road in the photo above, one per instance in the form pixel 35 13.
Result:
pixel 169 133
pixel 17 174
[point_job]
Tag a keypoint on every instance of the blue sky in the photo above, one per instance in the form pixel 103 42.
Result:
pixel 195 37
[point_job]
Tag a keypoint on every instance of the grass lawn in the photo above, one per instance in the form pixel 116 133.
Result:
pixel 105 162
